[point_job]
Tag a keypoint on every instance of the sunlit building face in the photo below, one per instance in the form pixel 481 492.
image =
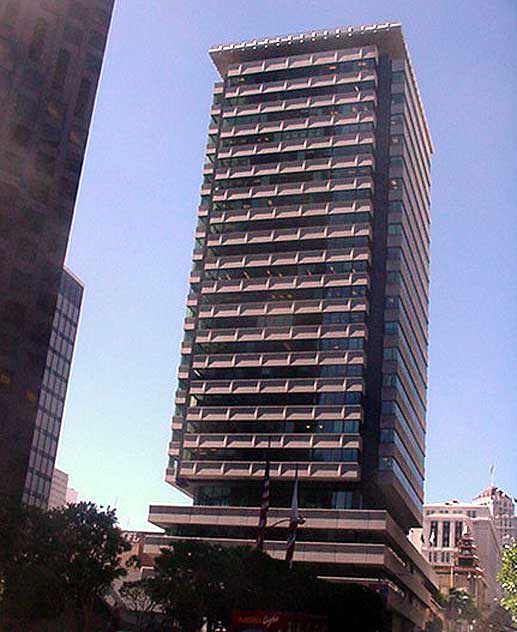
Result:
pixel 306 327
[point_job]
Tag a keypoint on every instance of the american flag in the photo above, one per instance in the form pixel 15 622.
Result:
pixel 264 508
pixel 294 521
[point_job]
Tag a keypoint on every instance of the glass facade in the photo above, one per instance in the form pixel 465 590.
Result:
pixel 306 325
pixel 306 332
pixel 53 391
pixel 51 54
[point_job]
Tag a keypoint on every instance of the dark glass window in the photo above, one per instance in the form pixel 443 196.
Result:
pixel 302 176
pixel 338 267
pixel 283 115
pixel 26 108
pixel 288 156
pixel 93 63
pixel 45 164
pixel 50 135
pixel 83 97
pixel 346 455
pixel 458 531
pixel 77 137
pixel 38 39
pixel 61 69
pixel 299 134
pixel 274 346
pixel 345 88
pixel 301 198
pixel 20 280
pixel 305 71
pixel 344 291
pixel 278 399
pixel 10 13
pixel 446 534
pixel 12 163
pixel 339 426
pixel 101 17
pixel 433 533
pixel 39 191
pixel 96 40
pixel 73 166
pixel 73 34
pixel 339 243
pixel 35 221
pixel 56 110
pixel 32 79
pixel 26 250
pixel 13 313
pixel 78 11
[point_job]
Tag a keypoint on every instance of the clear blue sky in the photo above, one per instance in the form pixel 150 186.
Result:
pixel 133 233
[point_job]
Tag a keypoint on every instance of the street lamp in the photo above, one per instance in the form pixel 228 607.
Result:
pixel 300 521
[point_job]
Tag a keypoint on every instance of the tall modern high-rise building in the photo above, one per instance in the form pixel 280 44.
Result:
pixel 51 54
pixel 307 319
pixel 41 470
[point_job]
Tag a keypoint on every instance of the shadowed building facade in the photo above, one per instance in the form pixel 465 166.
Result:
pixel 306 329
pixel 41 471
pixel 51 54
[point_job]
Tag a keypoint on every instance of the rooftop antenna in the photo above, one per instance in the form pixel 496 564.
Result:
pixel 492 468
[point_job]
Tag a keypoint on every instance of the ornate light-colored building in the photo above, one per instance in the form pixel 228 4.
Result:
pixel 445 524
pixel 502 508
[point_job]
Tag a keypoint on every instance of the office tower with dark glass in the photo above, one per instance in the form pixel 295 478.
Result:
pixel 53 391
pixel 51 53
pixel 306 327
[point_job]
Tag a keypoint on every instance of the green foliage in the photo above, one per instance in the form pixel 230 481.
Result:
pixel 91 546
pixel 441 599
pixel 460 606
pixel 508 580
pixel 195 580
pixel 58 561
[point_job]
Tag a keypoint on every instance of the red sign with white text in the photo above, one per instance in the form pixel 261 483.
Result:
pixel 274 621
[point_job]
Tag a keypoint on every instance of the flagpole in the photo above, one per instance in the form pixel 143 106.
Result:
pixel 294 521
pixel 264 503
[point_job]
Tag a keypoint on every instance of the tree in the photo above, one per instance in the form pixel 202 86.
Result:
pixel 89 556
pixel 57 563
pixel 194 580
pixel 33 588
pixel 461 607
pixel 136 596
pixel 189 584
pixel 508 580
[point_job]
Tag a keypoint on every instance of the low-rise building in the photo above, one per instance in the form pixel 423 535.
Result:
pixel 60 494
pixel 58 487
pixel 445 524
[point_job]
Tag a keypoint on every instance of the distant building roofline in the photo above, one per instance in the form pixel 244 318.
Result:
pixel 74 276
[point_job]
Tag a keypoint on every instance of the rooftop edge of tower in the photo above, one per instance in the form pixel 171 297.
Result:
pixel 388 38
